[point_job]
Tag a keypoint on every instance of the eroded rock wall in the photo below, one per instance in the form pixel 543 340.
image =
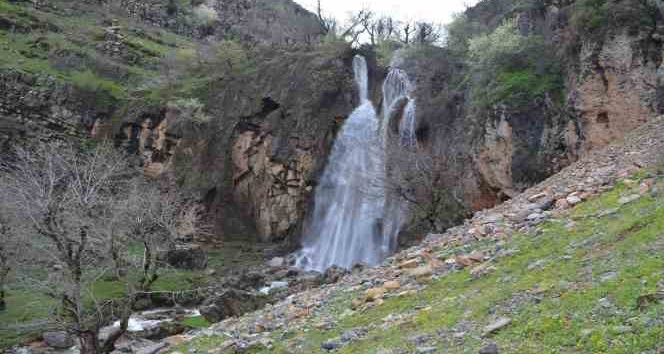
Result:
pixel 256 163
pixel 616 90
pixel 613 84
pixel 40 107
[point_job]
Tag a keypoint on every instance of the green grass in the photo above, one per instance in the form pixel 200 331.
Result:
pixel 30 306
pixel 88 81
pixel 41 37
pixel 22 307
pixel 196 322
pixel 566 316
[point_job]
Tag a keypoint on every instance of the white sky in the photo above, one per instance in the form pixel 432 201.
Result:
pixel 437 11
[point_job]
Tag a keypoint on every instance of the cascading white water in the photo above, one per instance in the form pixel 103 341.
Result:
pixel 345 225
pixel 396 88
pixel 353 222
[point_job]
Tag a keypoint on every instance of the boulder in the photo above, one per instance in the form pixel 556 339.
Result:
pixel 422 273
pixel 331 344
pixel 477 256
pixel 174 341
pixel 161 331
pixel 391 285
pixel 152 349
pixel 628 199
pixel 189 257
pixel 409 264
pixel 562 204
pixel 489 349
pixel 58 340
pixel 573 200
pixel 310 279
pixel 499 324
pixel 463 261
pixel 248 281
pixel 334 274
pixel 547 204
pixel 536 197
pixel 276 262
pixel 374 294
pixel 231 303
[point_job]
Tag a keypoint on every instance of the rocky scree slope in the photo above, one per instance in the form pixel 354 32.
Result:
pixel 572 264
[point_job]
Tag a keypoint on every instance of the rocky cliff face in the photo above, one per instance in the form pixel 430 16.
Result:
pixel 41 107
pixel 272 122
pixel 275 21
pixel 279 139
pixel 617 87
pixel 613 84
pixel 256 162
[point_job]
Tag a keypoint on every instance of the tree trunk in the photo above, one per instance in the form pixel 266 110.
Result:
pixel 109 345
pixel 89 342
pixel 4 272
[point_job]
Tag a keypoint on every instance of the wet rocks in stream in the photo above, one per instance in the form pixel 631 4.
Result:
pixel 231 303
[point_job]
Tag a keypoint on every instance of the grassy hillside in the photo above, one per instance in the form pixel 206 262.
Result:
pixel 589 281
pixel 28 310
pixel 92 48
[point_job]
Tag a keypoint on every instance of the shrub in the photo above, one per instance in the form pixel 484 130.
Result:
pixel 507 66
pixel 205 14
pixel 90 82
pixel 594 18
pixel 486 52
pixel 459 32
pixel 589 17
pixel 232 55
pixel 524 84
pixel 191 116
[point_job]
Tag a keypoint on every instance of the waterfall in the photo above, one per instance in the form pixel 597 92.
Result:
pixel 397 90
pixel 353 221
pixel 397 87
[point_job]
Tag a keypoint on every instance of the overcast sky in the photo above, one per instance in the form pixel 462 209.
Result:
pixel 438 11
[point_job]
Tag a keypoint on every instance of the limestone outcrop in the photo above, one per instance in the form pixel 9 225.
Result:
pixel 612 84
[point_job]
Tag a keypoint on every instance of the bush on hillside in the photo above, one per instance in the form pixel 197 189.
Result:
pixel 205 14
pixel 190 110
pixel 594 18
pixel 90 82
pixel 507 66
pixel 459 32
pixel 496 49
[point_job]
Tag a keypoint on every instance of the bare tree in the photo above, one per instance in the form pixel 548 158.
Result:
pixel 12 249
pixel 377 28
pixel 417 178
pixel 428 33
pixel 82 211
pixel 355 26
pixel 408 31
pixel 6 239
pixel 327 23
pixel 369 24
pixel 386 28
